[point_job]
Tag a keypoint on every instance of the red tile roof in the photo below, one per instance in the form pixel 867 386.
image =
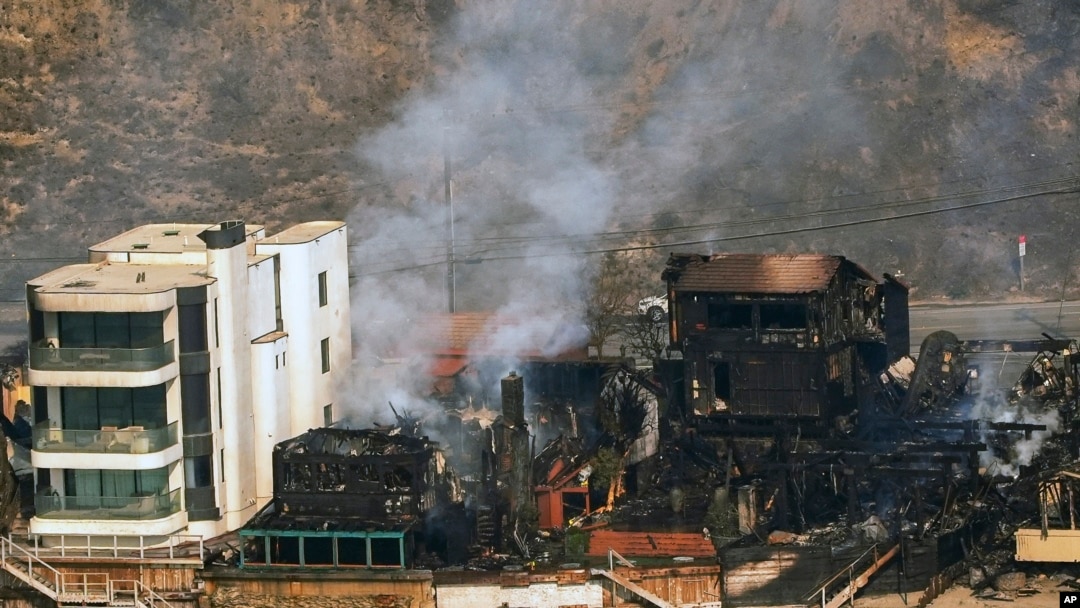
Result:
pixel 650 544
pixel 756 273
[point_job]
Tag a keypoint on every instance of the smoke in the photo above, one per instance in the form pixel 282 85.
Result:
pixel 992 406
pixel 527 193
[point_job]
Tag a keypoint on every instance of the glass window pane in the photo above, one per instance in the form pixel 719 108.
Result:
pixel 153 481
pixel 148 406
pixel 118 483
pixel 324 347
pixel 195 403
pixel 192 319
pixel 76 329
pixel 147 329
pixel 79 408
pixel 111 329
pixel 198 471
pixel 114 407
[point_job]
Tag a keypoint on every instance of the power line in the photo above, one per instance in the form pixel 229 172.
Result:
pixel 779 232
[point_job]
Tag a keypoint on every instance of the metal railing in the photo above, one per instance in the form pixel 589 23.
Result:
pixel 126 440
pixel 28 567
pixel 45 357
pixel 152 506
pixel 105 546
pixel 76 587
pixel 135 592
pixel 84 587
pixel 854 579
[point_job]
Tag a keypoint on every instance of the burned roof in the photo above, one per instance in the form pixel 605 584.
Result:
pixel 268 519
pixel 797 273
pixel 353 442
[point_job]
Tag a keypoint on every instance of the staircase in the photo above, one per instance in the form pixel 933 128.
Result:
pixel 75 589
pixel 651 598
pixel 843 585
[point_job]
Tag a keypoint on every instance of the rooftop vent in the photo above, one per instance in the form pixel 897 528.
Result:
pixel 140 245
pixel 171 232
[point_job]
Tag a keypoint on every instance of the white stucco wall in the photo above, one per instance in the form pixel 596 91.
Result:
pixel 261 299
pixel 270 393
pixel 536 595
pixel 229 266
pixel 308 324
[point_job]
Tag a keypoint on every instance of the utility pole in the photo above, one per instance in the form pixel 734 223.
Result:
pixel 1022 242
pixel 448 193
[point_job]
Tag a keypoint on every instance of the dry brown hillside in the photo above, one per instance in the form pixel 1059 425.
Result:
pixel 698 123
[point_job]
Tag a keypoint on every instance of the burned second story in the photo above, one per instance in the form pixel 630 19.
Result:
pixel 369 474
pixel 780 336
pixel 747 301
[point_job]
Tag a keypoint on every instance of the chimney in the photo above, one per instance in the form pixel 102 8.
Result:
pixel 513 399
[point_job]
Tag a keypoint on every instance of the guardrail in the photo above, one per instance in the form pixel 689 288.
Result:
pixel 133 591
pixel 102 546
pixel 139 507
pixel 30 568
pixel 125 440
pixel 45 357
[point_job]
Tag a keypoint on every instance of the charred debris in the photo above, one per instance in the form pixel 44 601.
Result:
pixel 786 417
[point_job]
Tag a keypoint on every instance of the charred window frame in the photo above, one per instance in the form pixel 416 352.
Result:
pixel 782 315
pixel 730 315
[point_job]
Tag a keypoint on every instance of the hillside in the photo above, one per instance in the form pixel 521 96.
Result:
pixel 690 124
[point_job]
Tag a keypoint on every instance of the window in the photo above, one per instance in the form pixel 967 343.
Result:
pixel 723 315
pixel 328 414
pixel 88 408
pixel 198 471
pixel 111 329
pixel 322 288
pixel 782 316
pixel 325 347
pixel 195 403
pixel 192 329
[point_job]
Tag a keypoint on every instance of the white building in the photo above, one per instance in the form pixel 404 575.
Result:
pixel 164 370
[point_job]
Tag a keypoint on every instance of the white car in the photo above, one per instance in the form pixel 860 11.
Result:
pixel 655 308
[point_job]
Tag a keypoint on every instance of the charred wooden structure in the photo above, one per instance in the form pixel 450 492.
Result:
pixel 347 497
pixel 766 337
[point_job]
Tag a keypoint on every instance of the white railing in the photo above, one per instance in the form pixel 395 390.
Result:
pixel 177 547
pixel 32 570
pixel 135 592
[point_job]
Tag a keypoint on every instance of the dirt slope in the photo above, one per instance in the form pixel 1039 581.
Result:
pixel 730 117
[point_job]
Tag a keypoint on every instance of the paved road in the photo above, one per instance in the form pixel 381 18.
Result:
pixel 1015 321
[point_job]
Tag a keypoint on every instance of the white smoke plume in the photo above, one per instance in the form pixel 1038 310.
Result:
pixel 992 406
pixel 526 194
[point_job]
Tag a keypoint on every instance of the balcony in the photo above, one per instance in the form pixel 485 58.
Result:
pixel 132 447
pixel 127 440
pixel 140 507
pixel 46 358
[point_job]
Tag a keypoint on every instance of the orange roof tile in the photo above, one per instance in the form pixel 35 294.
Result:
pixel 756 273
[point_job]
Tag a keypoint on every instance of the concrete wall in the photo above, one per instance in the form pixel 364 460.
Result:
pixel 535 595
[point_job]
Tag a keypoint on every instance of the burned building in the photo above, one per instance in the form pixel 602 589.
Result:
pixel 767 337
pixel 346 498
